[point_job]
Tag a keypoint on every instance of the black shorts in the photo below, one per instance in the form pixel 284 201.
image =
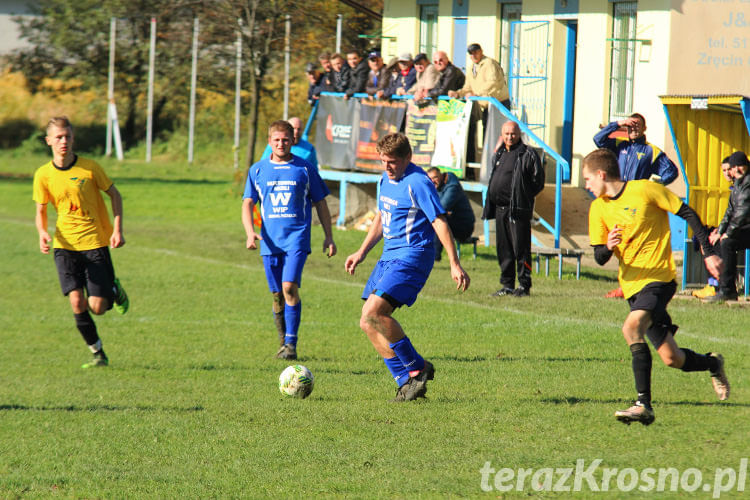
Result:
pixel 89 269
pixel 654 298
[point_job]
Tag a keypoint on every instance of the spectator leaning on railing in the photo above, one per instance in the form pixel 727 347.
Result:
pixel 359 72
pixel 427 77
pixel 379 77
pixel 451 78
pixel 340 74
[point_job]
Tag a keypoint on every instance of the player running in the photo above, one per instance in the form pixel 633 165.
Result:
pixel 287 188
pixel 409 216
pixel 629 220
pixel 82 232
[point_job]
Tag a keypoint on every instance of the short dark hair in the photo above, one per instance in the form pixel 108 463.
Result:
pixel 738 159
pixel 605 160
pixel 420 57
pixel 640 117
pixel 395 144
pixel 324 56
pixel 433 169
pixel 353 51
pixel 281 126
pixel 336 56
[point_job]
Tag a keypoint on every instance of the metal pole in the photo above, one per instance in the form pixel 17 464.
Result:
pixel 339 20
pixel 193 82
pixel 237 86
pixel 151 58
pixel 287 52
pixel 110 83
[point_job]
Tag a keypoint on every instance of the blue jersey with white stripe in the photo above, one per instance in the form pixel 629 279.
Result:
pixel 286 192
pixel 408 206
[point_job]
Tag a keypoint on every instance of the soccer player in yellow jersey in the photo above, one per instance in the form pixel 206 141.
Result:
pixel 629 219
pixel 83 230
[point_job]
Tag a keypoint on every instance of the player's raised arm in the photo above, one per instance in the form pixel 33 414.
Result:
pixel 443 233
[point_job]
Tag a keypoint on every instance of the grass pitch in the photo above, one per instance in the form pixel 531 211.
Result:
pixel 189 406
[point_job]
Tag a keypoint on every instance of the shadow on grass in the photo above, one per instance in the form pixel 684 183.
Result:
pixel 94 408
pixel 572 400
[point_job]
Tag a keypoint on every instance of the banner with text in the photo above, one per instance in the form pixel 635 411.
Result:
pixel 451 132
pixel 421 125
pixel 376 119
pixel 335 135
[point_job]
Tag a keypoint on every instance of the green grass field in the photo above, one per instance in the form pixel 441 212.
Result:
pixel 189 406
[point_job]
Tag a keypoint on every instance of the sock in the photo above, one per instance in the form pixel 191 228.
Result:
pixel 87 327
pixel 278 320
pixel 407 354
pixel 695 362
pixel 642 372
pixel 396 367
pixel 292 316
pixel 97 347
pixel 713 282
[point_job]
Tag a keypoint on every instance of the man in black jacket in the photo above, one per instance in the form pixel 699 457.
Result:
pixel 359 73
pixel 733 233
pixel 451 78
pixel 340 74
pixel 517 177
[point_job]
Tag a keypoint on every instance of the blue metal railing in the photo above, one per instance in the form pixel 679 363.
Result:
pixel 562 170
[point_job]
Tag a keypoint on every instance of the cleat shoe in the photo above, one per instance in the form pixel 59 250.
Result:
pixel 636 413
pixel 287 351
pixel 122 303
pixel 416 386
pixel 100 359
pixel 615 294
pixel 521 292
pixel 719 378
pixel 705 292
pixel 502 292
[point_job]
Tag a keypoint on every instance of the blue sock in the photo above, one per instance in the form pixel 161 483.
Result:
pixel 407 354
pixel 292 316
pixel 713 282
pixel 396 367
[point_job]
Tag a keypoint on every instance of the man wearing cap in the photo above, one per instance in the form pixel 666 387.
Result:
pixel 427 77
pixel 406 76
pixel 485 78
pixel 733 233
pixel 451 78
pixel 378 78
pixel 359 72
pixel 317 82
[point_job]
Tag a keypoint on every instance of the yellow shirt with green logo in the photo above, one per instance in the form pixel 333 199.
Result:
pixel 645 252
pixel 75 192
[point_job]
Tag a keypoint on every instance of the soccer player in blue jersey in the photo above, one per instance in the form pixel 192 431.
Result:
pixel 287 188
pixel 409 217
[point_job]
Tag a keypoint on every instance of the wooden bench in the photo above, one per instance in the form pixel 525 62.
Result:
pixel 560 254
pixel 472 240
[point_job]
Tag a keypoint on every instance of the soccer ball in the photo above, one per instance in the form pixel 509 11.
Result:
pixel 296 381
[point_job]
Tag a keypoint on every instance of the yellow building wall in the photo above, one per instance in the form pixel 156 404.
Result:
pixel 401 21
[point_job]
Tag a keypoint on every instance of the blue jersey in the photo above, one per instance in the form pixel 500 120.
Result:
pixel 303 149
pixel 286 192
pixel 408 207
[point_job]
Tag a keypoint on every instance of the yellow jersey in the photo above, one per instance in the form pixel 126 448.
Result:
pixel 645 252
pixel 75 192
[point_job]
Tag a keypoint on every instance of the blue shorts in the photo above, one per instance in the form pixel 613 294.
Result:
pixel 284 267
pixel 394 279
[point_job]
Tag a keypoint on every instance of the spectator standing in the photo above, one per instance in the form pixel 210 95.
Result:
pixel 517 177
pixel 340 75
pixel 359 72
pixel 733 233
pixel 638 159
pixel 456 204
pixel 378 77
pixel 451 78
pixel 427 77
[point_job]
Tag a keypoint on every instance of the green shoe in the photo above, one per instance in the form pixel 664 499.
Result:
pixel 100 359
pixel 122 303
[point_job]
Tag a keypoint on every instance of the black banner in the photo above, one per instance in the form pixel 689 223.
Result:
pixel 376 119
pixel 335 135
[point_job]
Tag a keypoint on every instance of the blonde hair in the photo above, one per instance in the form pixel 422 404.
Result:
pixel 59 121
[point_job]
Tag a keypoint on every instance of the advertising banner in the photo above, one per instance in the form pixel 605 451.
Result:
pixel 376 119
pixel 421 126
pixel 451 136
pixel 335 136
